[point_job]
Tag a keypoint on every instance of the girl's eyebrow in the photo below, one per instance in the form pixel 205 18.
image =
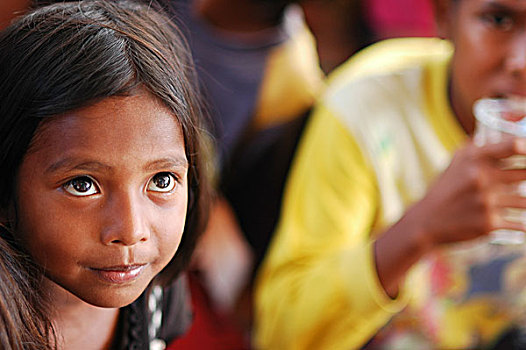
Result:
pixel 168 162
pixel 72 163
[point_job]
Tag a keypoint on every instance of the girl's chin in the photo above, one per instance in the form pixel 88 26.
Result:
pixel 112 298
pixel 104 297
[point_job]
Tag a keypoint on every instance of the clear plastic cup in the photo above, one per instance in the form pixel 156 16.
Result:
pixel 496 120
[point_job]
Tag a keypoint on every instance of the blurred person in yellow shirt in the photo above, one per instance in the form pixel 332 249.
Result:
pixel 381 241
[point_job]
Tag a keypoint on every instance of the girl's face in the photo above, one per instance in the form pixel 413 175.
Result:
pixel 102 197
pixel 490 50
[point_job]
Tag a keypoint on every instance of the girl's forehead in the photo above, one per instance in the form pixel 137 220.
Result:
pixel 112 130
pixel 140 111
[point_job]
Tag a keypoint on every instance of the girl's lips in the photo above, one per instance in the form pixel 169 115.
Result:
pixel 119 274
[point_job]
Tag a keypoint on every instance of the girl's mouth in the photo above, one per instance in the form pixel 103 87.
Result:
pixel 119 274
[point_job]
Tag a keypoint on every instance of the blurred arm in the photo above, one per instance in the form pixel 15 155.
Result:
pixel 319 287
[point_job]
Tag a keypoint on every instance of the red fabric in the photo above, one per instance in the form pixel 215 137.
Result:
pixel 396 18
pixel 210 330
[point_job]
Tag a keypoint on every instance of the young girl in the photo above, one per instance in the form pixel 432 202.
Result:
pixel 101 177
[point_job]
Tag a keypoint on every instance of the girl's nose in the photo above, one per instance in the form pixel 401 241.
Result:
pixel 125 221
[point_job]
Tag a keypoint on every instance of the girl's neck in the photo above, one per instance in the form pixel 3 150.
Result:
pixel 79 325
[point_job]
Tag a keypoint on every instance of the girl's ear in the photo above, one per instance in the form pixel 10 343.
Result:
pixel 442 10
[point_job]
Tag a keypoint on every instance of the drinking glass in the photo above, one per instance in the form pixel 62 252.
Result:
pixel 497 119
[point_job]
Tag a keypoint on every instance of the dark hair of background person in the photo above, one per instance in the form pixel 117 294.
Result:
pixel 341 28
pixel 275 7
pixel 24 321
pixel 67 56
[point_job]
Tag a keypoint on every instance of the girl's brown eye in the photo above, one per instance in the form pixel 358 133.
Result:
pixel 162 182
pixel 81 186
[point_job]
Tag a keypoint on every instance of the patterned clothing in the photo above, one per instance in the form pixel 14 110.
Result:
pixel 156 318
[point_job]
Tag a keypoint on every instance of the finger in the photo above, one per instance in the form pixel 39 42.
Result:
pixel 509 176
pixel 510 201
pixel 504 149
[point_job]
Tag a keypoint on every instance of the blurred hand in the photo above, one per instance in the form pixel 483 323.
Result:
pixel 470 198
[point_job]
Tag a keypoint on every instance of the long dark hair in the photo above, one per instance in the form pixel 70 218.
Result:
pixel 24 321
pixel 66 56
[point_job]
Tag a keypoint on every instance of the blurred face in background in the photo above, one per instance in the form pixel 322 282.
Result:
pixel 490 50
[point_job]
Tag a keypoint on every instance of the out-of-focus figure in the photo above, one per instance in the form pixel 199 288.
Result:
pixel 382 241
